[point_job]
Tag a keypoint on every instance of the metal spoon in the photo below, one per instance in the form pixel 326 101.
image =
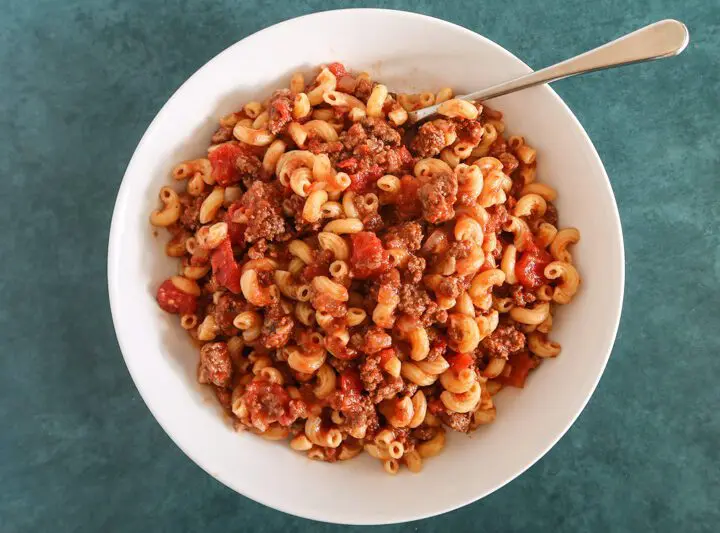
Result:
pixel 666 38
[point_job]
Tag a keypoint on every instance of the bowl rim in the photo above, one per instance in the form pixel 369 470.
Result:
pixel 125 190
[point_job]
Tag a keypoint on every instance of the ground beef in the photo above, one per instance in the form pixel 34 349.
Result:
pixel 362 207
pixel 437 195
pixel 423 432
pixel 414 270
pixel 319 267
pixel 370 135
pixel 276 329
pixel 265 277
pixel 325 303
pixel 280 107
pixel 522 296
pixel 509 161
pixel 409 389
pixel 406 236
pixel 215 364
pixel 449 287
pixel 372 222
pixel 388 389
pixel 330 455
pixel 437 350
pixel 249 168
pixel 415 301
pixel 227 308
pixel 460 249
pixel 358 411
pixel 376 339
pixel 223 134
pixel 224 396
pixel 353 137
pixel 293 206
pixel 191 212
pixel 370 373
pixel 268 402
pixel 398 161
pixel 470 131
pixel 498 217
pixel 505 340
pixel 498 147
pixel 429 141
pixel 457 421
pixel 551 214
pixel 372 148
pixel 488 113
pixel 262 207
pixel 379 128
pixel 341 365
pixel 319 146
pixel 363 89
pixel 257 250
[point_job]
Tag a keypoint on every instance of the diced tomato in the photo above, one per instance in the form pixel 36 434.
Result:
pixel 173 300
pixel 386 355
pixel 280 113
pixel 349 165
pixel 460 362
pixel 520 366
pixel 369 258
pixel 530 267
pixel 350 381
pixel 225 268
pixel 363 179
pixel 407 202
pixel 338 348
pixel 222 160
pixel 313 270
pixel 338 69
pixel 236 231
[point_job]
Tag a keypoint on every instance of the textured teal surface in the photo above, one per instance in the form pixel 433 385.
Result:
pixel 79 451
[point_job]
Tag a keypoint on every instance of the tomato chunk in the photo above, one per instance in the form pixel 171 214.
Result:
pixel 349 165
pixel 267 403
pixel 338 69
pixel 350 381
pixel 225 268
pixel 369 258
pixel 408 203
pixel 530 267
pixel 363 179
pixel 386 355
pixel 520 364
pixel 460 362
pixel 173 300
pixel 223 160
pixel 236 231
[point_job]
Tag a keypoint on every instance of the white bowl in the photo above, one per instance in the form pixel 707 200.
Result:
pixel 408 52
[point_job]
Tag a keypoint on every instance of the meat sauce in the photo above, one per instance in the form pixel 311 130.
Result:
pixel 405 274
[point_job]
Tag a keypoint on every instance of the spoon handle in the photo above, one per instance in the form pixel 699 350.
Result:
pixel 665 38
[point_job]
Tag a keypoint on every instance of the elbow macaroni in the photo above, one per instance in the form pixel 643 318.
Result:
pixel 348 283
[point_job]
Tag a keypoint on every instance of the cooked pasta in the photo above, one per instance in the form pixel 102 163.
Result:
pixel 353 288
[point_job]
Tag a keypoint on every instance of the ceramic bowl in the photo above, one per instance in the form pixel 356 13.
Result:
pixel 407 52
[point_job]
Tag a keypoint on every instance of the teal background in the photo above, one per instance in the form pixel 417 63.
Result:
pixel 79 451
